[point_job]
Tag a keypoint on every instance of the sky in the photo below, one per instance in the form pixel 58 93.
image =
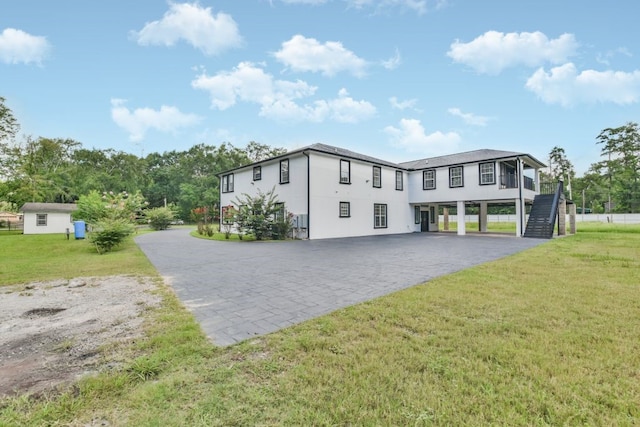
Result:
pixel 395 79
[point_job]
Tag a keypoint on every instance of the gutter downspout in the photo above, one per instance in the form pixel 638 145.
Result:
pixel 306 154
pixel 520 201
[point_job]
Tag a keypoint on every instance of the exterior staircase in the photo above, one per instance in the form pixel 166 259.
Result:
pixel 542 218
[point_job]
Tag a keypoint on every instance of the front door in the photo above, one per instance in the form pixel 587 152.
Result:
pixel 424 221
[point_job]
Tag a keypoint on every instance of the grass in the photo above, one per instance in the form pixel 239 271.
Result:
pixel 549 336
pixel 36 257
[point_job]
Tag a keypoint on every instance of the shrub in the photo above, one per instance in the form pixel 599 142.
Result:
pixel 159 218
pixel 109 233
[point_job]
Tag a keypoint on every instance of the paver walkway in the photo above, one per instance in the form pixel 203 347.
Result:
pixel 238 290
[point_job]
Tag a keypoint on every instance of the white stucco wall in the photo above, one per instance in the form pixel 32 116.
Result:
pixel 327 192
pixel 471 191
pixel 56 223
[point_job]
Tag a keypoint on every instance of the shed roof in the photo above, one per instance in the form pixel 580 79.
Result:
pixel 48 207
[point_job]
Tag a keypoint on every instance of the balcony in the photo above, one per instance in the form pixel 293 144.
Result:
pixel 511 181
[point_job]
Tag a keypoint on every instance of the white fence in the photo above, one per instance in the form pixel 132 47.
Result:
pixel 616 218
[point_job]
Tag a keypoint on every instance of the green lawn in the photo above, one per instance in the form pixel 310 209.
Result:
pixel 549 336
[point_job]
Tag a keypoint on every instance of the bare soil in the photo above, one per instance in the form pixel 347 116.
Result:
pixel 52 333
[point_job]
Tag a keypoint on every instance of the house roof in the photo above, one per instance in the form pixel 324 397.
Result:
pixel 49 207
pixel 469 157
pixel 343 152
pixel 426 163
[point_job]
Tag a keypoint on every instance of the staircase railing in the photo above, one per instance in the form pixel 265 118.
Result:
pixel 556 202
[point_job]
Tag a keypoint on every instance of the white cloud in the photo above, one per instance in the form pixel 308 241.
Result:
pixel 303 54
pixel 16 46
pixel 393 62
pixel 278 99
pixel 419 6
pixel 566 86
pixel 196 25
pixel 604 58
pixel 138 122
pixel 469 118
pixel 494 51
pixel 411 136
pixel 402 105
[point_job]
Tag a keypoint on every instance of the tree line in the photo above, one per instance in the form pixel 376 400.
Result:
pixel 62 170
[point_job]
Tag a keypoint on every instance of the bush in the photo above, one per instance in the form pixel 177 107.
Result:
pixel 108 234
pixel 159 218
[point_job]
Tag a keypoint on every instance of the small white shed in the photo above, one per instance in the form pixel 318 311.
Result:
pixel 47 218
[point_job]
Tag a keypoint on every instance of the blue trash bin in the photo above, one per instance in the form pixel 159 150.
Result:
pixel 78 229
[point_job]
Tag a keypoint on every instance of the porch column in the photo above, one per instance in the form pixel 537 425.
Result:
pixel 482 218
pixel 519 213
pixel 445 214
pixel 460 215
pixel 562 218
pixel 572 218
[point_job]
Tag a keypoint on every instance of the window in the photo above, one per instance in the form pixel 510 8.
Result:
pixel 399 180
pixel 379 215
pixel 257 173
pixel 345 209
pixel 416 214
pixel 284 171
pixel 429 179
pixel 227 214
pixel 487 173
pixel 377 176
pixel 455 177
pixel 345 172
pixel 41 220
pixel 278 216
pixel 227 183
pixel 432 214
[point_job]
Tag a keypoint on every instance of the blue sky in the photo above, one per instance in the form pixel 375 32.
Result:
pixel 395 79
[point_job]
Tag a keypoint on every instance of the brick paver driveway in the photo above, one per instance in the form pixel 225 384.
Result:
pixel 238 290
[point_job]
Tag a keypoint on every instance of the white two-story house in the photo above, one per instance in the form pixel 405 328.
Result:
pixel 334 192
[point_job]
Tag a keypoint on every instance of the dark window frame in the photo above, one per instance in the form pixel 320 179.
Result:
pixel 284 171
pixel 399 183
pixel 493 173
pixel 257 173
pixel 227 183
pixel 279 212
pixel 377 184
pixel 432 214
pixel 347 163
pixel 424 179
pixel 348 206
pixel 381 215
pixel 417 215
pixel 41 220
pixel 451 169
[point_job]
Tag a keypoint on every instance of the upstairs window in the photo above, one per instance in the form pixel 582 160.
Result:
pixel 345 172
pixel 257 173
pixel 429 179
pixel 487 173
pixel 227 183
pixel 377 176
pixel 455 177
pixel 284 171
pixel 399 180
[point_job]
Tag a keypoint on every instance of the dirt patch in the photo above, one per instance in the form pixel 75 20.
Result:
pixel 51 333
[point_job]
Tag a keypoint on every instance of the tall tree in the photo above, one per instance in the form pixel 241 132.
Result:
pixel 8 124
pixel 621 147
pixel 560 168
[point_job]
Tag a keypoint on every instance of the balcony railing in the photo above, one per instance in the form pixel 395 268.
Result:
pixel 511 181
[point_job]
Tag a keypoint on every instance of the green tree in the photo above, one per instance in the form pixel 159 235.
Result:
pixel 261 215
pixel 8 124
pixel 159 218
pixel 561 169
pixel 621 147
